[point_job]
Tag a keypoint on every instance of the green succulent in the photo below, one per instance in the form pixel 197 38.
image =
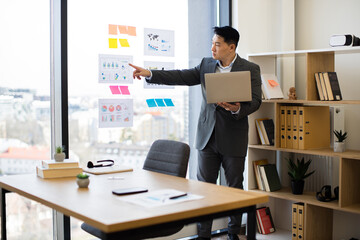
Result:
pixel 59 149
pixel 297 171
pixel 340 135
pixel 82 176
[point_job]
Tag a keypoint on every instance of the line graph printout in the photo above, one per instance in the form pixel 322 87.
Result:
pixel 115 69
pixel 158 42
pixel 158 66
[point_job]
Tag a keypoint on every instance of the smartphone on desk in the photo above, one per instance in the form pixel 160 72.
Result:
pixel 126 191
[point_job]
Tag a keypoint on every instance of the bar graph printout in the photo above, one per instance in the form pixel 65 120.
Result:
pixel 115 69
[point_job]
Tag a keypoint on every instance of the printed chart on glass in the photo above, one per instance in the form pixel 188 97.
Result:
pixel 115 113
pixel 115 69
pixel 158 66
pixel 158 42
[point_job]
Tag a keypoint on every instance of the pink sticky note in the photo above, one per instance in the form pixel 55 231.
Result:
pixel 112 29
pixel 123 29
pixel 131 31
pixel 115 90
pixel 124 90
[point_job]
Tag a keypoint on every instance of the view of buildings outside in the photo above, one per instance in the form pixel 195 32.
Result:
pixel 25 133
pixel 25 130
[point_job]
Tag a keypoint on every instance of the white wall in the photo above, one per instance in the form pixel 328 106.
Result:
pixel 281 25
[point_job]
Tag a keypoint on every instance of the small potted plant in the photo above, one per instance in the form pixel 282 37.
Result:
pixel 59 155
pixel 339 145
pixel 298 172
pixel 82 180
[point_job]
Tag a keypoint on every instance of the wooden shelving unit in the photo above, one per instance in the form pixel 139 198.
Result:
pixel 317 214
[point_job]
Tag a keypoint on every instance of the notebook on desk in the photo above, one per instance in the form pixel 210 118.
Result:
pixel 106 170
pixel 228 87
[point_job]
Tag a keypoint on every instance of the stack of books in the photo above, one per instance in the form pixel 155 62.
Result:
pixel 266 175
pixel 53 169
pixel 265 129
pixel 304 127
pixel 328 86
pixel 264 220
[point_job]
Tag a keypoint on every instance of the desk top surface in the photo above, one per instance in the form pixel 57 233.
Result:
pixel 100 208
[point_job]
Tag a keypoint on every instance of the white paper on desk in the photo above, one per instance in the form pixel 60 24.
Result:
pixel 159 198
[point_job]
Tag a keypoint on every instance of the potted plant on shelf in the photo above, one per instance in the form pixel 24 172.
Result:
pixel 298 172
pixel 339 145
pixel 59 155
pixel 82 180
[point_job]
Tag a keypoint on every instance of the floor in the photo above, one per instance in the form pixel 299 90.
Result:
pixel 224 237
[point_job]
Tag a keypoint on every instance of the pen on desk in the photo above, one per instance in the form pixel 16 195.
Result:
pixel 115 178
pixel 178 196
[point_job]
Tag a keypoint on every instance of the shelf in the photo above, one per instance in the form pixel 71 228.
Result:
pixel 353 154
pixel 279 234
pixel 309 198
pixel 312 102
pixel 333 49
pixel 319 213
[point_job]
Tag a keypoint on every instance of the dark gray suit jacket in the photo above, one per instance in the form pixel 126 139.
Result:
pixel 231 130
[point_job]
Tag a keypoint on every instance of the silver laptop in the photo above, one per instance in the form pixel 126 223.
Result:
pixel 228 87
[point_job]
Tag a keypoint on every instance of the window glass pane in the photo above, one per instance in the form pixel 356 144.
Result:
pixel 25 108
pixel 102 36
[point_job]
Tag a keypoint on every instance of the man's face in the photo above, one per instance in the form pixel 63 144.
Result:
pixel 220 49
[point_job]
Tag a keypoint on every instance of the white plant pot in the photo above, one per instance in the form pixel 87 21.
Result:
pixel 83 183
pixel 339 146
pixel 59 157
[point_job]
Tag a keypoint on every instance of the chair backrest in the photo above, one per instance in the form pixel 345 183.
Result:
pixel 168 157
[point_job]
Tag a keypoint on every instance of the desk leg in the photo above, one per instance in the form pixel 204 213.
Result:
pixel 3 213
pixel 251 223
pixel 67 231
pixel 62 226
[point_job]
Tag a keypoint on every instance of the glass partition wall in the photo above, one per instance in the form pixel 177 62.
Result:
pixel 112 116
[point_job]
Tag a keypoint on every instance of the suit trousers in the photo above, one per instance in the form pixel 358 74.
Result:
pixel 209 162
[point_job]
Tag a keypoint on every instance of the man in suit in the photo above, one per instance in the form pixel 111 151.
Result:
pixel 222 131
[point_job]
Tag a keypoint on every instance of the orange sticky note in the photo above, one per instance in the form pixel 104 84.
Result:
pixel 123 29
pixel 272 83
pixel 131 31
pixel 112 29
pixel 112 42
pixel 124 43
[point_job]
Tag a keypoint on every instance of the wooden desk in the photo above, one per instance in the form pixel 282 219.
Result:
pixel 98 207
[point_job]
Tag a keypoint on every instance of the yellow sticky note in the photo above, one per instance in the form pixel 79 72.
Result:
pixel 123 29
pixel 112 29
pixel 124 43
pixel 131 31
pixel 112 43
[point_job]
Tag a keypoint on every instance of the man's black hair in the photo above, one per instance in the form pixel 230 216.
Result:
pixel 230 35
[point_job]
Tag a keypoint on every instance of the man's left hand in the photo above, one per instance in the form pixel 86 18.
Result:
pixel 233 107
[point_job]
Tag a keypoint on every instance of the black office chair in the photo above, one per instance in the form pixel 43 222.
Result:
pixel 165 156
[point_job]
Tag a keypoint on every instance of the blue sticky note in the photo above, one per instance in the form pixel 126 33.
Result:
pixel 169 102
pixel 160 102
pixel 151 102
